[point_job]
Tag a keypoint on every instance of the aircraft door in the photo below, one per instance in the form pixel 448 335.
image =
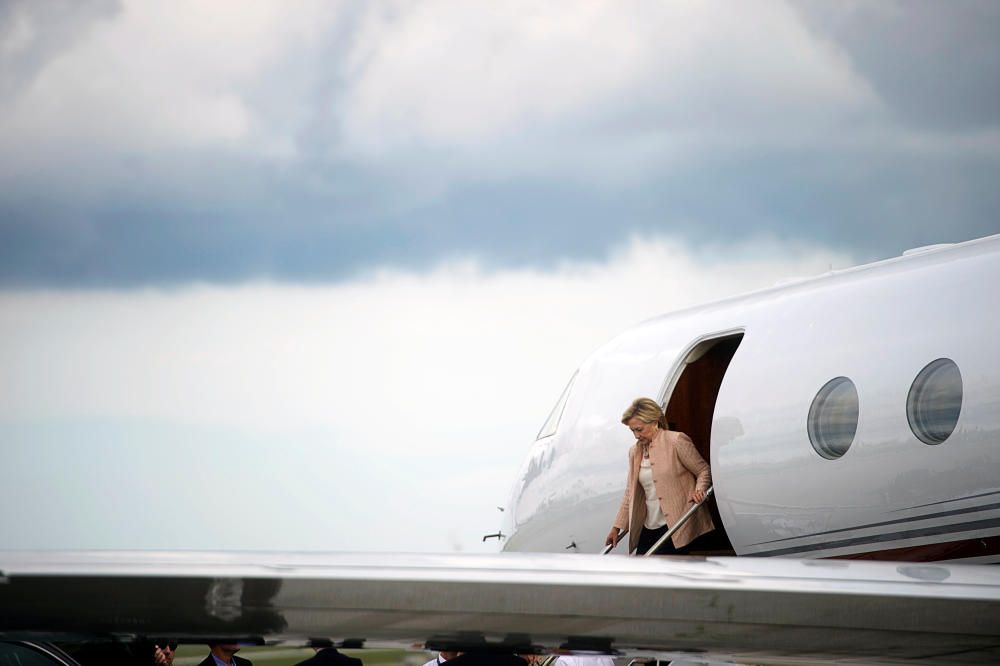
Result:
pixel 690 405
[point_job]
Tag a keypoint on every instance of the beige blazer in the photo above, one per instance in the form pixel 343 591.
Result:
pixel 677 469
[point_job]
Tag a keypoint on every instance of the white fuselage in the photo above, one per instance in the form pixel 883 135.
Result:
pixel 890 494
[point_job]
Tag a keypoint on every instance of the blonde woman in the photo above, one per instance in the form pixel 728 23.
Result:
pixel 665 476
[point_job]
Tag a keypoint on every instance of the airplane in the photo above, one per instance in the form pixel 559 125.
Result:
pixel 852 415
pixel 851 421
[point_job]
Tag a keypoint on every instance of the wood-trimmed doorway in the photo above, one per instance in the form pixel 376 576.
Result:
pixel 691 408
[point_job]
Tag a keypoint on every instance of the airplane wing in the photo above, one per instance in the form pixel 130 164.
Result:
pixel 739 609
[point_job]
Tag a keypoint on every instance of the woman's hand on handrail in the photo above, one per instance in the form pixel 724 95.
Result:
pixel 612 539
pixel 697 496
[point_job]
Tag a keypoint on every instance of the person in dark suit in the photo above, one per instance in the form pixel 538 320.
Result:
pixel 328 656
pixel 224 654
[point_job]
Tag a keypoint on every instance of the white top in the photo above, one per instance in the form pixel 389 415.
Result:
pixel 595 660
pixel 654 514
pixel 436 661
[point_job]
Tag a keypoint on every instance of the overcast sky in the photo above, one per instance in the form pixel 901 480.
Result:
pixel 311 274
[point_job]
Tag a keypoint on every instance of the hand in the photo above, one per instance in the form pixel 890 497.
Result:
pixel 612 539
pixel 163 656
pixel 697 496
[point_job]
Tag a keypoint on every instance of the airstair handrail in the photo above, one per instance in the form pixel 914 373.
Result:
pixel 684 519
pixel 690 512
pixel 608 547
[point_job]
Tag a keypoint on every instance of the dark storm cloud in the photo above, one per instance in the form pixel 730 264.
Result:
pixel 855 202
pixel 934 63
pixel 35 32
pixel 250 224
pixel 304 195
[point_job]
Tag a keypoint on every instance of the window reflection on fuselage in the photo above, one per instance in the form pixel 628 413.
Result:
pixel 552 423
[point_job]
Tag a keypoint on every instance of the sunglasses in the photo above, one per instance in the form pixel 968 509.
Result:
pixel 167 646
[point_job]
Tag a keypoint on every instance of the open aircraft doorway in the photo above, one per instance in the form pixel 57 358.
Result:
pixel 689 397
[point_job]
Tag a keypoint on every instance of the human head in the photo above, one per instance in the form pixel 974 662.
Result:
pixel 320 643
pixel 164 652
pixel 224 651
pixel 647 411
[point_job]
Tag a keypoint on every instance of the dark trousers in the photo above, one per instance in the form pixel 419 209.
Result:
pixel 648 537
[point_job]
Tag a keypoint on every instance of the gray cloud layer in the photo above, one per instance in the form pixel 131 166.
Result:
pixel 144 145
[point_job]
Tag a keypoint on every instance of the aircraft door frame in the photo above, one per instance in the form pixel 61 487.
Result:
pixel 694 351
pixel 707 357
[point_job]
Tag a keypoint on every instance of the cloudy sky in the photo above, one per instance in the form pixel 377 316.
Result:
pixel 310 274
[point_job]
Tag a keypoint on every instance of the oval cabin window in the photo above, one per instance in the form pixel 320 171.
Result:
pixel 833 418
pixel 935 401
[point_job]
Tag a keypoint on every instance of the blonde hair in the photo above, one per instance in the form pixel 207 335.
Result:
pixel 647 410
